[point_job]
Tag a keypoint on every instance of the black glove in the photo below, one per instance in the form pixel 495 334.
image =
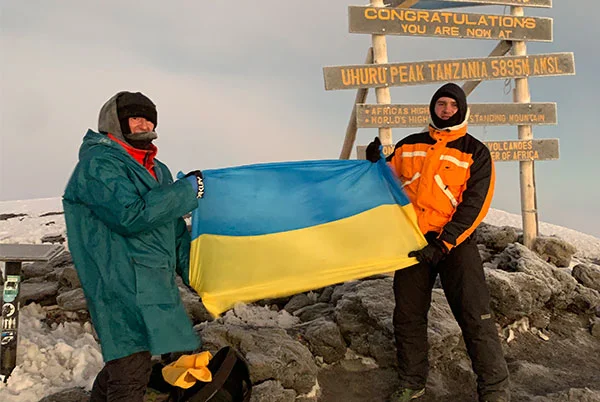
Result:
pixel 373 153
pixel 432 253
pixel 197 181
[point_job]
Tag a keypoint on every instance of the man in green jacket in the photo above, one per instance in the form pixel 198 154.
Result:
pixel 128 240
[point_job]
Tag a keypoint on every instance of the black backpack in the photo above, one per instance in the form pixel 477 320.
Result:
pixel 230 381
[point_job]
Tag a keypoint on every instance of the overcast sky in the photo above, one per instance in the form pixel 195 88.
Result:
pixel 242 82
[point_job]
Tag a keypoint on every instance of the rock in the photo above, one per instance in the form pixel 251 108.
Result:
pixel 340 290
pixel 36 270
pixel 5 217
pixel 72 300
pixel 274 303
pixel 297 302
pixel 595 327
pixel 68 278
pixel 271 353
pixel 325 296
pixel 64 259
pixel 42 268
pixel 554 250
pixel 587 275
pixel 57 238
pixel 584 301
pixel 256 316
pixel 572 395
pixel 539 278
pixel 270 391
pixel 43 293
pixel 194 306
pixel 68 395
pixel 515 295
pixel 364 315
pixel 495 238
pixel 485 253
pixel 325 340
pixel 540 319
pixel 314 311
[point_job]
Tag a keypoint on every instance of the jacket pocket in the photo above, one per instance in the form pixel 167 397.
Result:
pixel 453 172
pixel 451 179
pixel 154 281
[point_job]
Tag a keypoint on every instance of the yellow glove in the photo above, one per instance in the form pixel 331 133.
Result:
pixel 184 372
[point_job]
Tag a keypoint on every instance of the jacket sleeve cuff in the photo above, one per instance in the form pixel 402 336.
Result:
pixel 443 238
pixel 448 245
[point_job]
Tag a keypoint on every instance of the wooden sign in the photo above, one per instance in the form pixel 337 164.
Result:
pixel 501 151
pixel 446 24
pixel 482 114
pixel 523 150
pixel 425 72
pixel 518 3
pixel 13 255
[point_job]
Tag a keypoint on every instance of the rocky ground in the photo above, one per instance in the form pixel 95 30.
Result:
pixel 335 344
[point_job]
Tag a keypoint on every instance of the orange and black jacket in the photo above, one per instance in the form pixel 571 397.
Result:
pixel 449 177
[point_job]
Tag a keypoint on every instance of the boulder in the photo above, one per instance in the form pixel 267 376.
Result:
pixel 554 250
pixel 587 275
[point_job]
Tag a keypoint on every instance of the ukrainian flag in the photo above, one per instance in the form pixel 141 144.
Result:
pixel 277 229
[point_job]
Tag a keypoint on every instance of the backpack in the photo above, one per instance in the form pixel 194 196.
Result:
pixel 230 381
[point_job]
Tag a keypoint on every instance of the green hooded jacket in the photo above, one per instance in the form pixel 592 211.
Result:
pixel 128 239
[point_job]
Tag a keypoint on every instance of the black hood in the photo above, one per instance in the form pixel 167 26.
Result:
pixel 455 92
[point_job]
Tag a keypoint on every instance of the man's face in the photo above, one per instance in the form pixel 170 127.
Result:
pixel 140 125
pixel 445 108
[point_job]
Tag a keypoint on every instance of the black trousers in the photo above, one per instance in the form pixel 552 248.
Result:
pixel 463 280
pixel 123 380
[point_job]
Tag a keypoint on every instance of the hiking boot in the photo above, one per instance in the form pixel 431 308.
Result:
pixel 406 394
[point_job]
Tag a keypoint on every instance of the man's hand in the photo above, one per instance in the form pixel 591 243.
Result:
pixel 432 253
pixel 373 152
pixel 196 179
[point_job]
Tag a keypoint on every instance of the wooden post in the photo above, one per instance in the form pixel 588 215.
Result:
pixel 522 95
pixel 378 55
pixel 361 97
pixel 382 94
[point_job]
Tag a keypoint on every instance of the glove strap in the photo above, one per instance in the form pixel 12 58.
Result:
pixel 200 181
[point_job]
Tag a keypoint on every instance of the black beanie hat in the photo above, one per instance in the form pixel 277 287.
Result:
pixel 455 92
pixel 135 104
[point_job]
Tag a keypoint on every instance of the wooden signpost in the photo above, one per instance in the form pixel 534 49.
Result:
pixel 482 114
pixel 427 72
pixel 523 150
pixel 512 30
pixel 502 151
pixel 409 22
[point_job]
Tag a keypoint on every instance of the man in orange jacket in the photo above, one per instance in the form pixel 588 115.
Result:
pixel 449 177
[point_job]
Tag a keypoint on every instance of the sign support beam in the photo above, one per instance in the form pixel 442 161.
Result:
pixel 527 184
pixel 361 97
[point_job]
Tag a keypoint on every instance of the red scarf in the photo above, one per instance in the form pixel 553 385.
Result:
pixel 144 157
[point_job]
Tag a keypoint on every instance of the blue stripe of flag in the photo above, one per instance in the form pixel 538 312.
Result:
pixel 278 197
